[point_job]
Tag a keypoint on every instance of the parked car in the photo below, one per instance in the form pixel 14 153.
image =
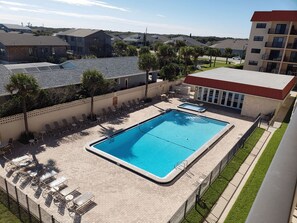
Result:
pixel 236 58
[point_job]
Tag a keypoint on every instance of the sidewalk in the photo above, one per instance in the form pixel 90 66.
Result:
pixel 221 209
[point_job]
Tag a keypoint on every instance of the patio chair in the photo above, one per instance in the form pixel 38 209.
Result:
pixel 49 130
pixel 64 195
pixel 66 126
pixel 76 122
pixel 19 162
pixel 5 149
pixel 79 202
pixel 37 137
pixel 136 104
pixel 105 114
pixel 140 102
pixel 131 105
pixel 85 119
pixel 54 186
pixel 111 111
pixel 58 127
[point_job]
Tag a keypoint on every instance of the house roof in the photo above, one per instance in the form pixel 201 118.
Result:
pixel 111 67
pixel 15 26
pixel 244 81
pixel 70 72
pixel 188 40
pixel 78 32
pixel 274 15
pixel 16 39
pixel 234 44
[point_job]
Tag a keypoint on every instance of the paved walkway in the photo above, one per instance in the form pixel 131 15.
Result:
pixel 221 209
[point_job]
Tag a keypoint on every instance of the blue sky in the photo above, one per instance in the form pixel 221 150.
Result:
pixel 199 17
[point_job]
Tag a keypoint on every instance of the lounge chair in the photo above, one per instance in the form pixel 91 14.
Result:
pixel 25 171
pixel 54 186
pixel 79 202
pixel 41 181
pixel 60 196
pixel 5 149
pixel 19 162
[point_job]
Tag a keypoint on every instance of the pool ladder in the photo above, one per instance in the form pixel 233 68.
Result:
pixel 183 167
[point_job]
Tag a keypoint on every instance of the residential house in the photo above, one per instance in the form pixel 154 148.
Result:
pixel 189 41
pixel 15 28
pixel 16 48
pixel 85 42
pixel 238 46
pixel 272 45
pixel 123 71
pixel 141 39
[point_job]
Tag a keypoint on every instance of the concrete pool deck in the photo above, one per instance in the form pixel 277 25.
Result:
pixel 121 195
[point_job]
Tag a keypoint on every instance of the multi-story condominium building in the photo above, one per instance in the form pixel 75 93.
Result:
pixel 272 43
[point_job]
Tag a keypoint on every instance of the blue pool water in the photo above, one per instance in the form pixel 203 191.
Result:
pixel 192 107
pixel 158 144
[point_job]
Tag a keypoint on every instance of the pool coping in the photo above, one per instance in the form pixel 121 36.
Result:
pixel 178 170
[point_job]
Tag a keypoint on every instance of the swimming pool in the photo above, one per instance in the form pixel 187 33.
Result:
pixel 160 147
pixel 192 107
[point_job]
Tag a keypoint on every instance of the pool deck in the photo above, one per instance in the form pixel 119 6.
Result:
pixel 121 195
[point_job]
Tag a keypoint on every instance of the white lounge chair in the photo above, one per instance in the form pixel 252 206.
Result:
pixel 54 186
pixel 16 163
pixel 79 202
pixel 64 195
pixel 39 181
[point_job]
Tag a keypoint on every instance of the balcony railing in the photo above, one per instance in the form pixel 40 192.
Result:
pixel 290 59
pixel 271 57
pixel 264 69
pixel 274 45
pixel 293 32
pixel 276 31
pixel 292 46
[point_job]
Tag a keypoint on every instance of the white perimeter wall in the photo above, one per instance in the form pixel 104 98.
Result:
pixel 253 105
pixel 12 126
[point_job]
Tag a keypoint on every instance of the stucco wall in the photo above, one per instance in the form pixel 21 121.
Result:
pixel 253 105
pixel 12 126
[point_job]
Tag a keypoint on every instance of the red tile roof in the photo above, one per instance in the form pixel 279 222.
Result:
pixel 274 15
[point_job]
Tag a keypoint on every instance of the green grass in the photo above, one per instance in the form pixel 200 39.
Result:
pixel 244 202
pixel 6 216
pixel 213 193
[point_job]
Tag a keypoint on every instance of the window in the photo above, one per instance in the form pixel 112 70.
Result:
pixel 72 38
pixel 278 42
pixel 258 38
pixel 253 62
pixel 254 50
pixel 261 25
pixel 30 51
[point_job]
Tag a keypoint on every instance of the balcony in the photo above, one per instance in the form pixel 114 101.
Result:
pixel 290 59
pixel 274 45
pixel 292 46
pixel 277 31
pixel 293 32
pixel 271 57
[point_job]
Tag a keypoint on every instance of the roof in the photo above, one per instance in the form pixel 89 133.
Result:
pixel 111 67
pixel 188 40
pixel 78 32
pixel 138 37
pixel 16 39
pixel 274 15
pixel 15 26
pixel 70 72
pixel 244 81
pixel 234 44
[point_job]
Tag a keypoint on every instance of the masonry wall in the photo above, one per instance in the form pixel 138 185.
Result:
pixel 12 126
pixel 253 105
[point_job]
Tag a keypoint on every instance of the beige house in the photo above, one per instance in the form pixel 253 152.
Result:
pixel 272 43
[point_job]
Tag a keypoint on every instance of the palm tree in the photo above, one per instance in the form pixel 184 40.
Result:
pixel 166 55
pixel 185 53
pixel 210 53
pixel 216 53
pixel 93 81
pixel 147 62
pixel 25 87
pixel 197 52
pixel 228 54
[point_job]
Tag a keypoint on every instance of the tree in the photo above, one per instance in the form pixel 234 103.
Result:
pixel 144 50
pixel 228 54
pixel 170 71
pixel 120 48
pixel 210 53
pixel 197 52
pixel 216 53
pixel 186 52
pixel 25 87
pixel 147 62
pixel 94 82
pixel 131 50
pixel 166 55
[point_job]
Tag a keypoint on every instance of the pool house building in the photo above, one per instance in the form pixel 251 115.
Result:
pixel 250 92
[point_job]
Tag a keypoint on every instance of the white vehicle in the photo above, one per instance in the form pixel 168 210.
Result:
pixel 236 58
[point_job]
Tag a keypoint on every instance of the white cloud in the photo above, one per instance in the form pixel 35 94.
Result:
pixel 160 15
pixel 9 3
pixel 91 3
